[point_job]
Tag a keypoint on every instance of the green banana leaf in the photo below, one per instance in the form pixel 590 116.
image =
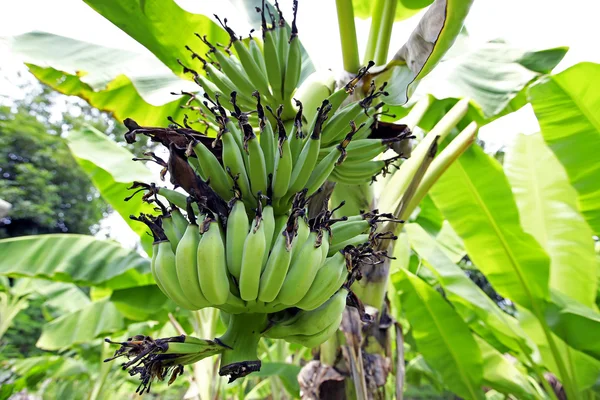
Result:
pixel 576 324
pixel 502 375
pixel 427 44
pixel 112 170
pixel 441 336
pixel 566 106
pixel 404 9
pixel 548 209
pixel 163 27
pixel 122 82
pixel 82 326
pixel 582 368
pixel 470 302
pixel 83 260
pixel 493 75
pixel 119 97
pixel 474 196
pixel 141 303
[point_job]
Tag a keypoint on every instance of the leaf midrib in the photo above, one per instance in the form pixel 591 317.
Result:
pixel 496 228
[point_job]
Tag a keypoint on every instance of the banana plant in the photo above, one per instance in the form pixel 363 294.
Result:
pixel 257 75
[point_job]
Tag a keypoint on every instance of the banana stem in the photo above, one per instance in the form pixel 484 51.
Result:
pixel 402 178
pixel 242 337
pixel 416 113
pixel 376 16
pixel 439 165
pixel 385 32
pixel 345 12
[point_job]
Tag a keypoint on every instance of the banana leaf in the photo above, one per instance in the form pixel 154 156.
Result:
pixel 81 326
pixel 441 336
pixel 476 199
pixel 548 209
pixel 80 259
pixel 566 106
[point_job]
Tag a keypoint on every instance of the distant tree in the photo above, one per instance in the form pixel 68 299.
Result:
pixel 48 191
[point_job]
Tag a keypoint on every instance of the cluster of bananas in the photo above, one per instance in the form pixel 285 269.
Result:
pixel 246 244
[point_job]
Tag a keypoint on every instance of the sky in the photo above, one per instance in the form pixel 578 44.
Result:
pixel 530 24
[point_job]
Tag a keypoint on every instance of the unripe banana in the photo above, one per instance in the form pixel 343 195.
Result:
pixel 257 55
pixel 179 221
pixel 294 59
pixel 269 226
pixel 237 231
pixel 153 267
pixel 346 230
pixel 253 255
pixel 165 271
pixel 213 170
pixel 311 322
pixel 274 67
pixel 269 147
pixel 232 159
pixel 323 169
pixel 187 267
pixel 283 165
pixel 301 237
pixel 334 248
pixel 172 233
pixel 302 271
pixel 276 269
pixel 325 283
pixel 212 267
pixel 319 338
pixel 257 170
pixel 305 164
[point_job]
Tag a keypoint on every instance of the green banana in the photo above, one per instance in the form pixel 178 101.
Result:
pixel 257 54
pixel 308 157
pixel 249 65
pixel 283 162
pixel 302 271
pixel 267 139
pixel 172 233
pixel 165 272
pixel 186 263
pixel 324 168
pixel 319 338
pixel 311 322
pixel 325 283
pixel 268 220
pixel 252 258
pixel 233 160
pixel 212 267
pixel 276 268
pixel 153 267
pixel 297 138
pixel 346 230
pixel 359 239
pixel 274 67
pixel 294 59
pixel 236 233
pixel 355 173
pixel 179 221
pixel 257 170
pixel 301 236
pixel 213 170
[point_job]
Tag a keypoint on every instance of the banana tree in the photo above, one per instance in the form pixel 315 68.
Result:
pixel 275 66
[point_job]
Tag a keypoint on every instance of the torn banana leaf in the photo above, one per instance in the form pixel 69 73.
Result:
pixel 427 44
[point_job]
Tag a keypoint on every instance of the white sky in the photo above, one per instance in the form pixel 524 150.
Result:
pixel 532 24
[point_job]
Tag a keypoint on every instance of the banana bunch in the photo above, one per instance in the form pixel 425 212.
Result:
pixel 244 243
